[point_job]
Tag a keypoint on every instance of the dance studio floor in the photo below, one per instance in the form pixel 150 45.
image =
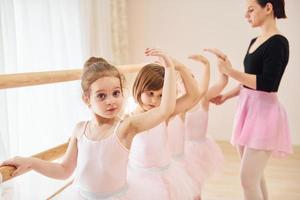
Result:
pixel 282 176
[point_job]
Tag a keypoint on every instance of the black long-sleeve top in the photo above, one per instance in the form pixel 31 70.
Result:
pixel 268 62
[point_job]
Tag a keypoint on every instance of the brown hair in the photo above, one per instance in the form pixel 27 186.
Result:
pixel 150 77
pixel 95 68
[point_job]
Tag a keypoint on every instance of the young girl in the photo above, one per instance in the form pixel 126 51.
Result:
pixel 261 125
pixel 176 126
pixel 203 156
pixel 150 157
pixel 99 148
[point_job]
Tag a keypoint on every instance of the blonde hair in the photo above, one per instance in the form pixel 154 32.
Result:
pixel 150 77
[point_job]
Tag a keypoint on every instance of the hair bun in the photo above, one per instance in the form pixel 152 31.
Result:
pixel 93 60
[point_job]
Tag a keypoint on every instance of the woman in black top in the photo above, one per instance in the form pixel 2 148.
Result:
pixel 261 126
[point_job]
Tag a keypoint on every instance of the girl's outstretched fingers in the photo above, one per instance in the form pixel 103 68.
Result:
pixel 200 58
pixel 160 54
pixel 216 52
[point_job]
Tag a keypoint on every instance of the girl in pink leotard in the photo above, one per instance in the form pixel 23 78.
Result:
pixel 99 148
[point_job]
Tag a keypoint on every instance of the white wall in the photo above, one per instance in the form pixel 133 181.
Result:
pixel 186 27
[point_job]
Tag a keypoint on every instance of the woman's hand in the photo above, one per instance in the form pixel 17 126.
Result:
pixel 218 100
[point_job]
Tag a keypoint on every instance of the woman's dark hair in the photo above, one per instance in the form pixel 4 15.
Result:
pixel 278 7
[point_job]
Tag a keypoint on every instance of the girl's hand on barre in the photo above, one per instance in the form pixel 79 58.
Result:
pixel 22 164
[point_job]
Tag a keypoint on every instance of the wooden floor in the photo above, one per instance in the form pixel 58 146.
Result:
pixel 282 176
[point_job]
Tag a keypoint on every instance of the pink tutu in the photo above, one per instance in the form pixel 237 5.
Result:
pixel 176 135
pixel 73 192
pixel 164 183
pixel 203 156
pixel 147 187
pixel 150 168
pixel 261 123
pixel 144 186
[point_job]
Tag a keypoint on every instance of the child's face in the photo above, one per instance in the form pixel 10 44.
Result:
pixel 151 99
pixel 106 97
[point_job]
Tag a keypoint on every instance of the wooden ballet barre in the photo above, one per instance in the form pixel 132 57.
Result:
pixel 48 155
pixel 60 190
pixel 38 78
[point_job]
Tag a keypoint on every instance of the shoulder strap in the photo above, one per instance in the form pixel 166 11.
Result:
pixel 83 130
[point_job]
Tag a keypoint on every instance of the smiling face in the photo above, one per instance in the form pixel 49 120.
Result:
pixel 105 97
pixel 255 14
